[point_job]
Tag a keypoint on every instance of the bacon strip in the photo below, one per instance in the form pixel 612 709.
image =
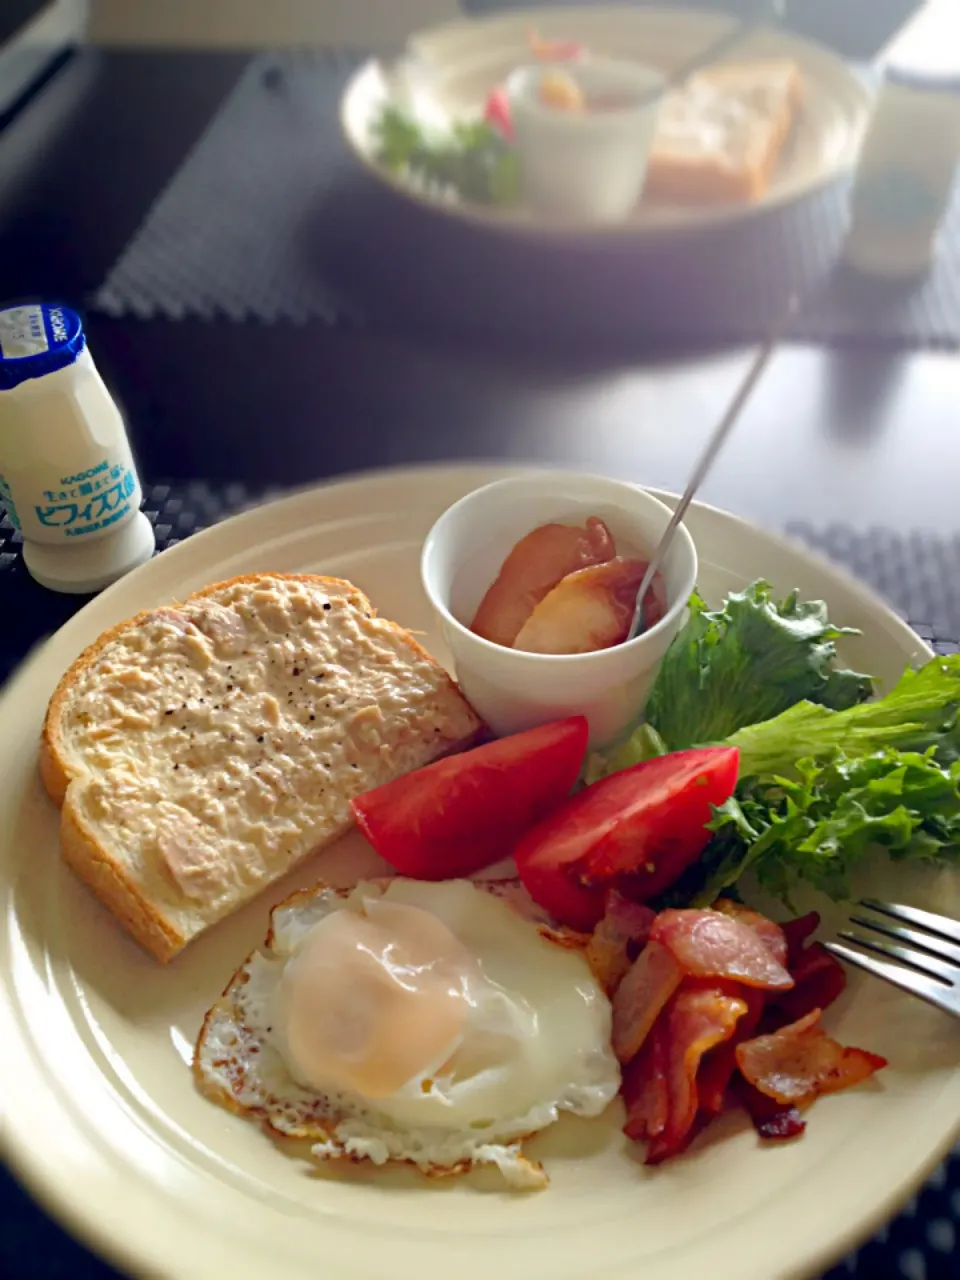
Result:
pixel 617 939
pixel 801 1062
pixel 771 933
pixel 699 1018
pixel 645 1088
pixel 649 983
pixel 819 978
pixel 772 1120
pixel 710 944
pixel 720 1064
pixel 797 932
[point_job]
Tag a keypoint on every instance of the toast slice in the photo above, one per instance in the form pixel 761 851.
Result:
pixel 201 751
pixel 719 138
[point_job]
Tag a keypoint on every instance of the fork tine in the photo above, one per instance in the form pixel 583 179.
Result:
pixel 946 928
pixel 926 988
pixel 933 968
pixel 924 942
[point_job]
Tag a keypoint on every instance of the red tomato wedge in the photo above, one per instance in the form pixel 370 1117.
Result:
pixel 467 811
pixel 497 112
pixel 637 831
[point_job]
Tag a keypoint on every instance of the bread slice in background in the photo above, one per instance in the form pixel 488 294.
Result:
pixel 201 751
pixel 720 137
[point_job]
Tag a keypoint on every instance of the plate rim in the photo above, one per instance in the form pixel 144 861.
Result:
pixel 510 224
pixel 37 1170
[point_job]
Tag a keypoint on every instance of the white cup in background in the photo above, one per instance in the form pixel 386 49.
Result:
pixel 585 166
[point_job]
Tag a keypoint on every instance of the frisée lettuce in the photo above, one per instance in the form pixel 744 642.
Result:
pixel 748 661
pixel 825 777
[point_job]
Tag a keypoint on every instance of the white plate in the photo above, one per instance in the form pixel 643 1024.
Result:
pixel 461 61
pixel 100 1114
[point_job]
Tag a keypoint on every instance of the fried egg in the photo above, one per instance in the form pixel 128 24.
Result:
pixel 438 1024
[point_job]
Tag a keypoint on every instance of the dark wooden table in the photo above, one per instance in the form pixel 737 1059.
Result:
pixel 864 438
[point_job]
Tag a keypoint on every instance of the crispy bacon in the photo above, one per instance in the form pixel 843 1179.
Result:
pixel 772 1120
pixel 649 983
pixel 818 977
pixel 710 944
pixel 771 933
pixel 797 932
pixel 645 1088
pixel 618 939
pixel 801 1062
pixel 698 1018
pixel 720 1064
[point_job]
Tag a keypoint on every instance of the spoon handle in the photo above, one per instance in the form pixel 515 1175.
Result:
pixel 714 445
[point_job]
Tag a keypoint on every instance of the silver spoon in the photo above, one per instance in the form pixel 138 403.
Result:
pixel 714 445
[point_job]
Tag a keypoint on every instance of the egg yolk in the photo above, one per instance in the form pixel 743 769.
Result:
pixel 370 1002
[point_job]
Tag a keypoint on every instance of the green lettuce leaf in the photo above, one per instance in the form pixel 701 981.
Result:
pixel 643 744
pixel 818 826
pixel 473 158
pixel 746 662
pixel 920 712
pixel 819 789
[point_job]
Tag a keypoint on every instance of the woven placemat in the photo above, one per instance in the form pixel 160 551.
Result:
pixel 270 219
pixel 919 575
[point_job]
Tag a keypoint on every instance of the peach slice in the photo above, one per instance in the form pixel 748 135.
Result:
pixel 532 569
pixel 589 609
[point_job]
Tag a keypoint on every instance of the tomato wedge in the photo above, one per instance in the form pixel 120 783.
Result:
pixel 497 112
pixel 464 812
pixel 637 831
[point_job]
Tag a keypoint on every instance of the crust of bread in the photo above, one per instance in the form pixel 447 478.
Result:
pixel 82 851
pixel 119 892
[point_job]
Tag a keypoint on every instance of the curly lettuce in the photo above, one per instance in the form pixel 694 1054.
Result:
pixel 749 661
pixel 824 781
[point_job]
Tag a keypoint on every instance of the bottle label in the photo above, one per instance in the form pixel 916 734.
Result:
pixel 25 331
pixel 6 500
pixel 88 502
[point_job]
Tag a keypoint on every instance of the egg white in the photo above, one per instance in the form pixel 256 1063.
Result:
pixel 536 1043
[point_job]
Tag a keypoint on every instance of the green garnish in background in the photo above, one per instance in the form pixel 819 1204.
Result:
pixel 473 159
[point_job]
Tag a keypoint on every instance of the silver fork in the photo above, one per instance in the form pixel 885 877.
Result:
pixel 920 950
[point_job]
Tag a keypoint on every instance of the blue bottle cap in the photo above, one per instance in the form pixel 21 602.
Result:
pixel 37 339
